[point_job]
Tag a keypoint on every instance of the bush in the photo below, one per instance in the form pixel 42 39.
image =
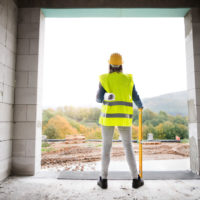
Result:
pixel 51 132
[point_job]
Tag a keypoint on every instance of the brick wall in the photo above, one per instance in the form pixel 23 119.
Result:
pixel 27 109
pixel 8 31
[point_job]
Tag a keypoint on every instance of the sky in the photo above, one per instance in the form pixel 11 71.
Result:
pixel 77 50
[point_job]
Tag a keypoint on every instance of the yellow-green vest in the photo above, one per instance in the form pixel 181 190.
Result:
pixel 118 112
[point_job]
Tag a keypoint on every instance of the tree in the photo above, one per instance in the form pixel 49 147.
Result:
pixel 62 126
pixel 181 131
pixel 47 115
pixel 146 130
pixel 159 132
pixel 135 116
pixel 134 132
pixel 51 132
pixel 163 115
pixel 156 121
pixel 180 120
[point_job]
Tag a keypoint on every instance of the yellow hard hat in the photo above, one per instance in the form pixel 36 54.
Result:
pixel 115 59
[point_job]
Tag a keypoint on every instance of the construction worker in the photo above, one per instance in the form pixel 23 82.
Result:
pixel 116 93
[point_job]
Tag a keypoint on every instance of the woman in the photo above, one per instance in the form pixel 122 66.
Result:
pixel 116 93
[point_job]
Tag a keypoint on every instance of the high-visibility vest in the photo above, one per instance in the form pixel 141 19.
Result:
pixel 118 112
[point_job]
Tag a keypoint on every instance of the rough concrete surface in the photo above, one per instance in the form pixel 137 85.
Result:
pixel 22 188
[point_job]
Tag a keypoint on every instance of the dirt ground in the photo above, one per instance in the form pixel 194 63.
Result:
pixel 61 154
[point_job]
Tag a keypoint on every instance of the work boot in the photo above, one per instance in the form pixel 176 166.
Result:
pixel 102 183
pixel 137 182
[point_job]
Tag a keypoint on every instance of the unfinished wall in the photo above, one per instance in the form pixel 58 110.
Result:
pixel 25 148
pixel 109 4
pixel 27 109
pixel 192 36
pixel 8 29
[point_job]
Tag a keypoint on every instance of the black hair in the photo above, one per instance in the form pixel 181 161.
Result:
pixel 115 69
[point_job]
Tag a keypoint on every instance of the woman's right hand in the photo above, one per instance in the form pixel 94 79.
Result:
pixel 140 109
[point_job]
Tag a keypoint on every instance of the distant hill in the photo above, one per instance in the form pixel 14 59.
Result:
pixel 172 103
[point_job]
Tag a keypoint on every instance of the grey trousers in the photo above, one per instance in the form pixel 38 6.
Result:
pixel 107 135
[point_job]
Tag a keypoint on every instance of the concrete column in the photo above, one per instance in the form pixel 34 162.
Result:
pixel 27 110
pixel 192 37
pixel 8 31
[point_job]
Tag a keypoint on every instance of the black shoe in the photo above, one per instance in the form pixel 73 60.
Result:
pixel 102 183
pixel 137 182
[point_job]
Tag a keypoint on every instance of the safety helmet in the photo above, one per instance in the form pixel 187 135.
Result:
pixel 115 59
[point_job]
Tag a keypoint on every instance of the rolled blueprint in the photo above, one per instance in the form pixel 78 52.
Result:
pixel 109 96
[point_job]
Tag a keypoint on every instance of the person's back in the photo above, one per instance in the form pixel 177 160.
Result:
pixel 117 110
pixel 118 83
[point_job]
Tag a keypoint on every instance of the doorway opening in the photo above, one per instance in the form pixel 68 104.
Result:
pixel 154 59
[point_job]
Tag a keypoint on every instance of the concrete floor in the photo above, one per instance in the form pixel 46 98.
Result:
pixel 149 165
pixel 35 188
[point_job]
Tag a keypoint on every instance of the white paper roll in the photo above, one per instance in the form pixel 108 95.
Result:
pixel 109 96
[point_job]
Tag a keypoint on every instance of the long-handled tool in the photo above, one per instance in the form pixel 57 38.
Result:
pixel 140 142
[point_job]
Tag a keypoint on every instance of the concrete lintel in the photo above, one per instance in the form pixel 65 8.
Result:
pixel 115 12
pixel 108 4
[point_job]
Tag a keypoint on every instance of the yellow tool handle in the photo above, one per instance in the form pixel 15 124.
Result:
pixel 140 142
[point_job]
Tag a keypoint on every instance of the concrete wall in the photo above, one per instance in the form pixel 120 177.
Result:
pixel 8 30
pixel 192 36
pixel 109 3
pixel 27 109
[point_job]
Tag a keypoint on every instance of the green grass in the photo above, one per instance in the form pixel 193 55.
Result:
pixel 45 144
pixel 48 149
pixel 185 140
pixel 94 145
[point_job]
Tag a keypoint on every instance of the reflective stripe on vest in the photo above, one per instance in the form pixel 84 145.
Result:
pixel 116 115
pixel 116 103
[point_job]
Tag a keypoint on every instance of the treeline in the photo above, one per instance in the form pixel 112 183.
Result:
pixel 70 120
pixel 57 123
pixel 80 114
pixel 162 125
